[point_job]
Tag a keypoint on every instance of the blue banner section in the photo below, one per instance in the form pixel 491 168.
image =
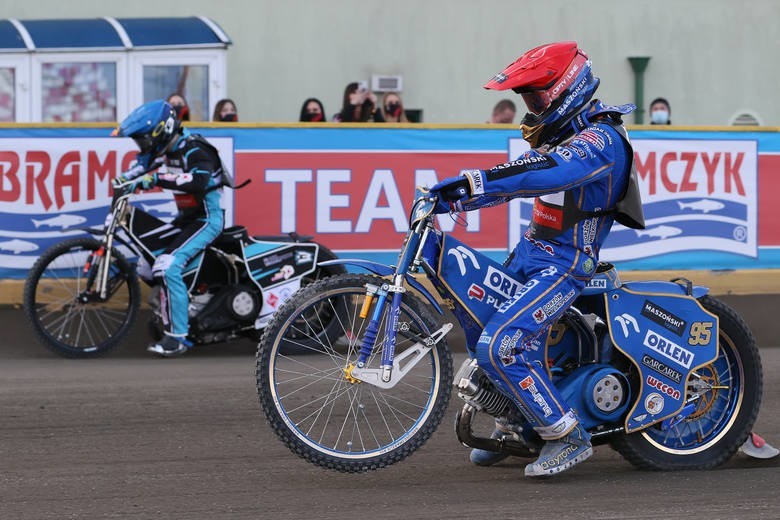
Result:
pixel 708 194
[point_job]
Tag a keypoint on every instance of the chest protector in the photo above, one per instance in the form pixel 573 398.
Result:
pixel 221 176
pixel 554 214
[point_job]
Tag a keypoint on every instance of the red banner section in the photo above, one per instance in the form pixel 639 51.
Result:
pixel 768 205
pixel 355 200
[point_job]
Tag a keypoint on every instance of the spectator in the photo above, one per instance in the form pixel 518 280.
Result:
pixel 225 111
pixel 180 105
pixel 393 108
pixel 359 105
pixel 660 112
pixel 312 111
pixel 503 113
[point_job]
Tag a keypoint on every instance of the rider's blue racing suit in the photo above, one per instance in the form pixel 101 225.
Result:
pixel 194 172
pixel 578 185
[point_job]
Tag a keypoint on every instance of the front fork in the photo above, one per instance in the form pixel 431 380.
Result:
pixel 96 270
pixel 391 369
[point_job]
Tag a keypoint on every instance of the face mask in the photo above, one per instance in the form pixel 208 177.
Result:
pixel 182 112
pixel 393 109
pixel 229 118
pixel 313 117
pixel 659 117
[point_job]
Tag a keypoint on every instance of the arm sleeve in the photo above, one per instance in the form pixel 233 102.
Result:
pixel 589 156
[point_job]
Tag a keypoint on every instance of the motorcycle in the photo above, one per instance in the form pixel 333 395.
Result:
pixel 82 295
pixel 667 375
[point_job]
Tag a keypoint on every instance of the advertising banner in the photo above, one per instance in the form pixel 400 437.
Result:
pixel 708 195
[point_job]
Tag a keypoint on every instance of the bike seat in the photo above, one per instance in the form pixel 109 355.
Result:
pixel 230 236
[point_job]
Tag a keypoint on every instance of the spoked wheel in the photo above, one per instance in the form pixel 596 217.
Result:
pixel 61 302
pixel 316 405
pixel 727 395
pixel 300 342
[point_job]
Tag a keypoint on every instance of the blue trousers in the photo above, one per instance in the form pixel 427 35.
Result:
pixel 174 300
pixel 511 349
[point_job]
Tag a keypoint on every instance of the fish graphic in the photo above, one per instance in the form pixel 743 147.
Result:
pixel 703 205
pixel 61 221
pixel 166 207
pixel 18 246
pixel 659 232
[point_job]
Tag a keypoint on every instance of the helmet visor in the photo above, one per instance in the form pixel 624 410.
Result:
pixel 145 142
pixel 537 101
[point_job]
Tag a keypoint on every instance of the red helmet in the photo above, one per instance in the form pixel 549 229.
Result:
pixel 555 81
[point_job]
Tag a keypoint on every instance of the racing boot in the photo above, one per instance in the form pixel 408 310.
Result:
pixel 561 454
pixel 169 346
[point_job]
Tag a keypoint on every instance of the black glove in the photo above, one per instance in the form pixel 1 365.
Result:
pixel 451 194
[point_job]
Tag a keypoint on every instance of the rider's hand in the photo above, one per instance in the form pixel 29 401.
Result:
pixel 451 194
pixel 120 180
pixel 134 172
pixel 147 182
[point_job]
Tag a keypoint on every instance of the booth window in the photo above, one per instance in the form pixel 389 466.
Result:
pixel 7 94
pixel 99 69
pixel 78 91
pixel 192 81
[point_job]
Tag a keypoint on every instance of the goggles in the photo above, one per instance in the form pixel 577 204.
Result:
pixel 539 100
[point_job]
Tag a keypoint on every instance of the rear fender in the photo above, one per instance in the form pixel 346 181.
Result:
pixel 384 270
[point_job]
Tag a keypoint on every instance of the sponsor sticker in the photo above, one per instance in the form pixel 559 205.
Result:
pixel 663 317
pixel 476 292
pixel 663 369
pixel 663 387
pixel 654 403
pixel 501 283
pixel 668 349
pixel 529 385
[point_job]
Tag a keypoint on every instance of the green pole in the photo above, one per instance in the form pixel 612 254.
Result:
pixel 638 65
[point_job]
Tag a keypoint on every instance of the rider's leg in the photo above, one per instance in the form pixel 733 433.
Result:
pixel 170 267
pixel 511 352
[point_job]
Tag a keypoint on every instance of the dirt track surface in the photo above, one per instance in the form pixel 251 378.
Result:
pixel 134 436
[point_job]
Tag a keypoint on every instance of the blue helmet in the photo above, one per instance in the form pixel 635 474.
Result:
pixel 152 126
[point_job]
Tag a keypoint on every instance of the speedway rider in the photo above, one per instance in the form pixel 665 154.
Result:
pixel 580 169
pixel 194 171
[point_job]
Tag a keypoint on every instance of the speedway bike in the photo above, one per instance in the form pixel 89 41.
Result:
pixel 666 374
pixel 82 295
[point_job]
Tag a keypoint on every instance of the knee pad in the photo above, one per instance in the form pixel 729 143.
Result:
pixel 161 264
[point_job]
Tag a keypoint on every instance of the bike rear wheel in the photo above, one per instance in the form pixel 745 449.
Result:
pixel 319 410
pixel 63 308
pixel 729 391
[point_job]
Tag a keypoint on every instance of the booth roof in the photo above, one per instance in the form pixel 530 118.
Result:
pixel 110 34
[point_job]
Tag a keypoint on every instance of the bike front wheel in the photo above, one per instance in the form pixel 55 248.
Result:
pixel 63 307
pixel 315 405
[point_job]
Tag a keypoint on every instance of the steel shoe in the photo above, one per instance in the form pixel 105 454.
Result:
pixel 488 458
pixel 755 446
pixel 561 454
pixel 169 346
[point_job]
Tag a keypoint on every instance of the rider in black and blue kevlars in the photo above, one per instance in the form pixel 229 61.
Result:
pixel 189 166
pixel 580 169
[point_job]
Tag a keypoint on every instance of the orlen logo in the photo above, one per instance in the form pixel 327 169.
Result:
pixel 668 349
pixel 501 283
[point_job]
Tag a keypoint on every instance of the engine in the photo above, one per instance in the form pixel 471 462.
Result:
pixel 476 389
pixel 231 307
